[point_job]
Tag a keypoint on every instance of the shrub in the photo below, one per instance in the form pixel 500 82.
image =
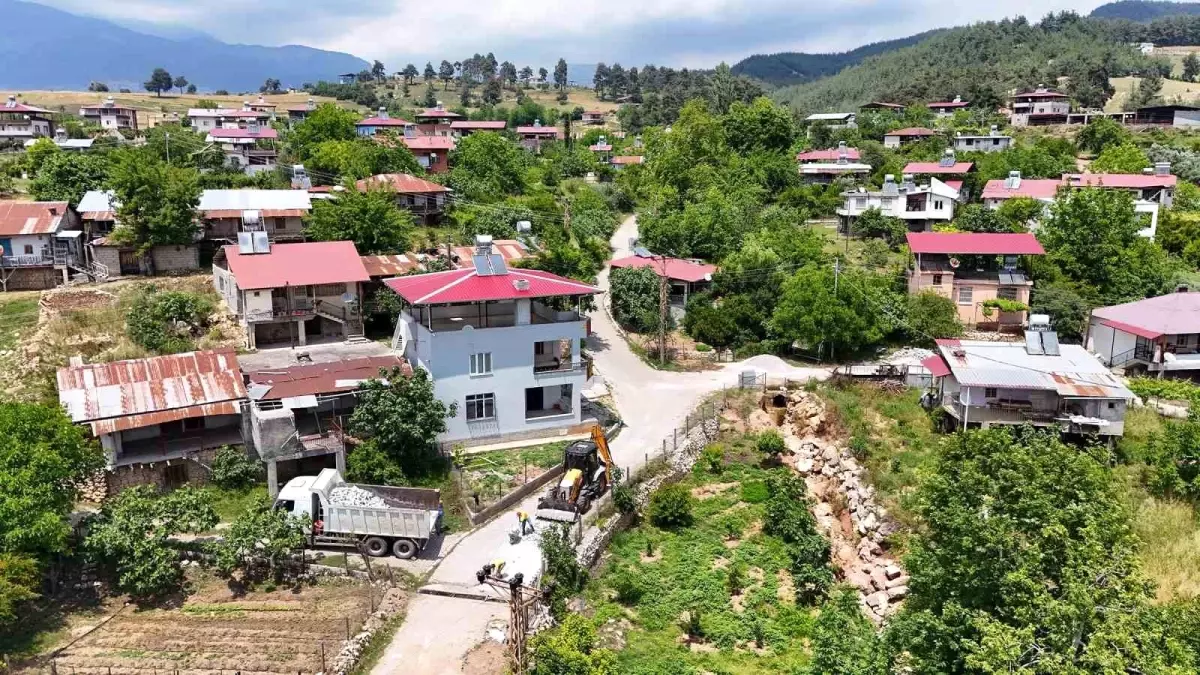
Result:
pixel 563 575
pixel 671 506
pixel 770 443
pixel 623 498
pixel 735 581
pixel 167 321
pixel 713 459
pixel 635 297
pixel 789 518
pixel 233 469
pixel 691 624
pixel 628 588
pixel 754 492
pixel 702 348
pixel 571 648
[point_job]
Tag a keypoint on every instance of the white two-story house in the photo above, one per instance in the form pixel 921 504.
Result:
pixel 503 344
pixel 992 141
pixel 919 206
pixel 1158 335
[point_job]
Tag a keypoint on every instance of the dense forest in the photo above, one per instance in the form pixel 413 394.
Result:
pixel 1144 10
pixel 983 61
pixel 786 68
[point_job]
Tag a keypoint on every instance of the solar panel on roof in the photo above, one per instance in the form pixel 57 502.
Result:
pixel 1033 343
pixel 1050 343
pixel 498 266
pixel 483 266
pixel 642 252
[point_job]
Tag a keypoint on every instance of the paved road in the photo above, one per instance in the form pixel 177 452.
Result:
pixel 652 403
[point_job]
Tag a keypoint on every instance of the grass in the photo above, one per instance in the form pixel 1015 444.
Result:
pixel 229 504
pixel 375 647
pixel 493 474
pixel 1186 92
pixel 690 569
pixel 18 315
pixel 1170 536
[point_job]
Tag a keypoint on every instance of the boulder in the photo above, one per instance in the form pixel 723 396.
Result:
pixel 893 571
pixel 804 465
pixel 901 580
pixel 869 521
pixel 897 593
pixel 879 579
pixel 877 601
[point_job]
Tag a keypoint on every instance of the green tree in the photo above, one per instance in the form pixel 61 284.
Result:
pixel 560 75
pixel 760 125
pixel 326 123
pixel 160 81
pixel 563 576
pixel 402 416
pixel 978 218
pixel 66 176
pixel 191 88
pixel 771 444
pixel 36 155
pixel 410 73
pixel 180 82
pixel 167 322
pixel 429 73
pixel 1070 599
pixel 1019 213
pixel 570 649
pixel 430 99
pixel 19 581
pixel 492 92
pixel 233 469
pixel 183 147
pixel 446 73
pixel 788 516
pixel 257 542
pixel 931 314
pixel 844 642
pixel 1148 92
pixel 1124 158
pixel 361 158
pixel 486 167
pixel 371 219
pixel 671 506
pixel 1100 133
pixel 1191 67
pixel 132 533
pixel 635 293
pixel 378 70
pixel 811 312
pixel 157 202
pixel 872 224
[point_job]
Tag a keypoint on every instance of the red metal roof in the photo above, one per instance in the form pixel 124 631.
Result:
pixel 216 214
pixel 1120 180
pixel 466 285
pixel 402 183
pixel 912 131
pixel 382 122
pixel 15 106
pixel 305 264
pixel 977 243
pixel 391 265
pixel 677 269
pixel 830 155
pixel 266 132
pixel 479 124
pixel 444 143
pixel 600 147
pixel 1130 328
pixel 956 184
pixel 537 131
pixel 937 365
pixel 435 113
pixel 1047 93
pixel 1170 314
pixel 628 159
pixel 141 392
pixel 1033 188
pixel 324 378
pixel 31 217
pixel 935 168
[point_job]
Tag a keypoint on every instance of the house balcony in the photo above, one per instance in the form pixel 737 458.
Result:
pixel 58 259
pixel 454 318
pixel 1002 412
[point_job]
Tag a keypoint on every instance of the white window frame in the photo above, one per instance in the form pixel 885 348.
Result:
pixel 480 407
pixel 969 292
pixel 481 364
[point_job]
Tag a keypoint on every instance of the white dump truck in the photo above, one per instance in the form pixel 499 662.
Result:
pixel 380 518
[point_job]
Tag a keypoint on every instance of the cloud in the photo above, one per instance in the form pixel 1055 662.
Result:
pixel 692 33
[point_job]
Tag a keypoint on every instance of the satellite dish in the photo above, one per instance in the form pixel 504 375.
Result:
pixel 954 263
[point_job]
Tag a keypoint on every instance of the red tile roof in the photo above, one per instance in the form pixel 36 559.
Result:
pixel 402 183
pixel 266 132
pixel 1120 180
pixel 977 243
pixel 441 114
pixel 141 392
pixel 949 104
pixel 677 269
pixel 466 285
pixel 31 217
pixel 912 132
pixel 382 122
pixel 830 155
pixel 479 124
pixel 324 378
pixel 309 263
pixel 935 168
pixel 1033 188
pixel 628 159
pixel 444 143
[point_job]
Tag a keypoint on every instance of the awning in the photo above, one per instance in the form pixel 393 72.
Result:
pixel 69 234
pixel 294 402
pixel 101 427
pixel 1130 328
pixel 937 365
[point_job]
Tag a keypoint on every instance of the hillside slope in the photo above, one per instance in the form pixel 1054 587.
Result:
pixel 985 59
pixel 44 48
pixel 787 68
pixel 1144 10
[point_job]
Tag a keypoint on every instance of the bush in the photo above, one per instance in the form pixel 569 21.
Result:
pixel 754 492
pixel 671 506
pixel 788 517
pixel 713 459
pixel 167 322
pixel 628 588
pixel 703 348
pixel 623 498
pixel 634 295
pixel 770 443
pixel 233 469
pixel 571 648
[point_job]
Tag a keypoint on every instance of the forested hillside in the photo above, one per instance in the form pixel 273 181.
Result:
pixel 787 68
pixel 1144 10
pixel 982 62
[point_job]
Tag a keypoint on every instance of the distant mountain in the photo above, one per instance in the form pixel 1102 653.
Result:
pixel 1144 10
pixel 787 68
pixel 45 48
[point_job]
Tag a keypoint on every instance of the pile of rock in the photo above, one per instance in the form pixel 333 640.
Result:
pixel 351 495
pixel 805 414
pixel 392 602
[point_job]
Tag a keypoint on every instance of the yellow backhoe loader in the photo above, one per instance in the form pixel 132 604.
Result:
pixel 589 469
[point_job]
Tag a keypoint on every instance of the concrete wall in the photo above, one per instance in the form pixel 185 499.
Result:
pixel 110 256
pixel 29 244
pixel 33 278
pixel 175 258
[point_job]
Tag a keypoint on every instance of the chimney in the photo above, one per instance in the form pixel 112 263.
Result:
pixel 1162 168
pixel 958 99
pixel 109 102
pixel 537 124
pixel 53 210
pixel 261 100
pixel 947 158
pixel 1148 171
pixel 311 104
pixel 995 130
pixel 11 102
pixel 1013 181
pixel 439 107
pixel 521 284
pixel 483 244
pixel 245 105
pixel 383 113
pixel 60 135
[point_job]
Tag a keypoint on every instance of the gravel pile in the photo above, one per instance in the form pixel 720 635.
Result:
pixel 350 495
pixel 908 356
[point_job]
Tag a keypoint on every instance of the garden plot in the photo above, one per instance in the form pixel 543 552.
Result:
pixel 215 632
pixel 488 476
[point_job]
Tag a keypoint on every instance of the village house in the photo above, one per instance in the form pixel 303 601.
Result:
pixel 902 137
pixel 947 169
pixel 110 116
pixel 686 277
pixel 39 245
pixel 382 121
pixel 279 213
pixel 105 259
pixel 246 117
pixel 159 419
pixel 509 250
pixel 592 117
pixel 291 294
pixel 250 149
pixel 837 120
pixel 425 200
pixel 622 161
pixel 461 128
pixel 993 141
pixel 297 114
pixel 298 414
pixel 1157 335
pixel 502 344
pixel 22 122
pixel 261 104
pixel 436 121
pixel 943 109
pixel 432 152
pixel 976 270
pixel 63 141
pixel 1150 191
pixel 601 148
pixel 919 206
pixel 1040 107
pixel 1176 115
pixel 998 191
pixel 1039 382
pixel 826 166
pixel 883 107
pixel 533 136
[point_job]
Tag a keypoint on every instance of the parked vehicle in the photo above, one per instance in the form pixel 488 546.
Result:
pixel 379 518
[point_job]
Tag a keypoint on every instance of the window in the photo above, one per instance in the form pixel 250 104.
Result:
pixel 329 290
pixel 28 249
pixel 995 141
pixel 539 348
pixel 938 204
pixel 989 392
pixel 965 295
pixel 481 407
pixel 937 280
pixel 1007 292
pixel 860 202
pixel 1112 405
pixel 481 363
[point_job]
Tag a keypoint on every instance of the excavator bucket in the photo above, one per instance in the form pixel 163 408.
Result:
pixel 560 504
pixel 556 515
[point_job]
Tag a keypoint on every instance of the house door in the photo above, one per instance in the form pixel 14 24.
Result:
pixel 174 476
pixel 534 399
pixel 129 262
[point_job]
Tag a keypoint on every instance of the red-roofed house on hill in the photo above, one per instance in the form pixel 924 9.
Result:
pixel 948 108
pixel 1039 107
pixel 39 243
pixel 292 294
pixel 250 149
pixel 533 136
pixel 460 128
pixel 685 276
pixel 972 269
pixel 502 344
pixel 382 121
pixel 436 121
pixel 424 199
pixel 946 167
pixel 593 117
pixel 24 122
pixel 1158 335
pixel 159 419
pixel 899 137
pixel 110 116
pixel 826 166
pixel 432 152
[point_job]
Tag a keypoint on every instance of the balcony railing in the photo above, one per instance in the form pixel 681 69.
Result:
pixel 37 260
pixel 557 368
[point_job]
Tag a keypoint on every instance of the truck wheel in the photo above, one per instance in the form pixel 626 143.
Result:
pixel 404 549
pixel 376 546
pixel 584 503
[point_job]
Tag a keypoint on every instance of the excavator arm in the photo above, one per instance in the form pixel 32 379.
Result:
pixel 602 448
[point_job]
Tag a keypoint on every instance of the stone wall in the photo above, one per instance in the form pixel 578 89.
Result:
pixel 32 279
pixel 123 477
pixel 168 259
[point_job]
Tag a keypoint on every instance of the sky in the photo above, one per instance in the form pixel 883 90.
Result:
pixel 680 33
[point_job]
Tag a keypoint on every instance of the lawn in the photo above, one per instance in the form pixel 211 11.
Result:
pixel 687 569
pixel 18 314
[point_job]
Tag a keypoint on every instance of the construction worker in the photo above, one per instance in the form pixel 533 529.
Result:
pixel 523 520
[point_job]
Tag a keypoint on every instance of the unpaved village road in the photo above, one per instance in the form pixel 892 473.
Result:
pixel 438 631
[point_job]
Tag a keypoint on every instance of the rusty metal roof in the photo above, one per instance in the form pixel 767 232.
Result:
pixel 31 217
pixel 391 265
pixel 1073 373
pixel 143 392
pixel 324 378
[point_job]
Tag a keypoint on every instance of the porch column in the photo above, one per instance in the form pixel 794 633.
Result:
pixel 272 479
pixel 300 337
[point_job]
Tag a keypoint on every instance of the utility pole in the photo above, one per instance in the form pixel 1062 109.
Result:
pixel 167 135
pixel 837 269
pixel 662 312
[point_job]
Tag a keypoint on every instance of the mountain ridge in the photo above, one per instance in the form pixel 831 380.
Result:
pixel 1144 10
pixel 787 68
